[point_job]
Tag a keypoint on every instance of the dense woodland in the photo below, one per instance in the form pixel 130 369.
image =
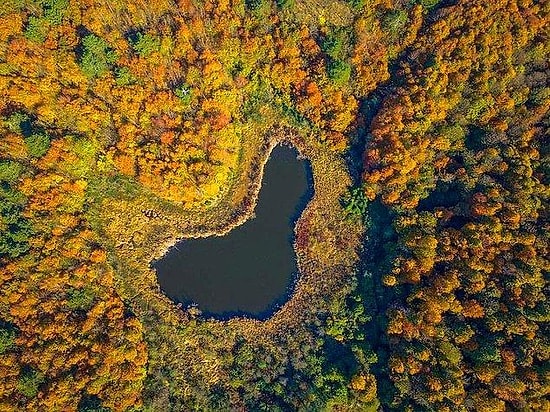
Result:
pixel 439 108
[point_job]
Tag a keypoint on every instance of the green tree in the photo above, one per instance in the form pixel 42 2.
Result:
pixel 357 4
pixel 55 10
pixel 285 4
pixel 335 44
pixel 19 122
pixel 10 171
pixel 339 71
pixel 184 93
pixel 29 382
pixel 15 230
pixel 124 77
pixel 253 4
pixel 80 299
pixel 428 3
pixel 146 44
pixel 7 338
pixel 37 29
pixel 355 203
pixel 97 57
pixel 38 144
pixel 394 22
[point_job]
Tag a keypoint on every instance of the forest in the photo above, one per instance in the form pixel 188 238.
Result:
pixel 423 255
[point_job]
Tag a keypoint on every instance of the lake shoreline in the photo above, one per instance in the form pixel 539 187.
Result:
pixel 286 189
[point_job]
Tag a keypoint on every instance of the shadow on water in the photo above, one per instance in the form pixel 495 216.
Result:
pixel 252 270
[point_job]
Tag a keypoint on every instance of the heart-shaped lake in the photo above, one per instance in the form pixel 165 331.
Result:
pixel 249 271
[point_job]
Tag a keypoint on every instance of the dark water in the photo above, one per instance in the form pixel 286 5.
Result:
pixel 250 270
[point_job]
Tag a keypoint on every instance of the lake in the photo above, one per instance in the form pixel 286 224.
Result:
pixel 251 270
